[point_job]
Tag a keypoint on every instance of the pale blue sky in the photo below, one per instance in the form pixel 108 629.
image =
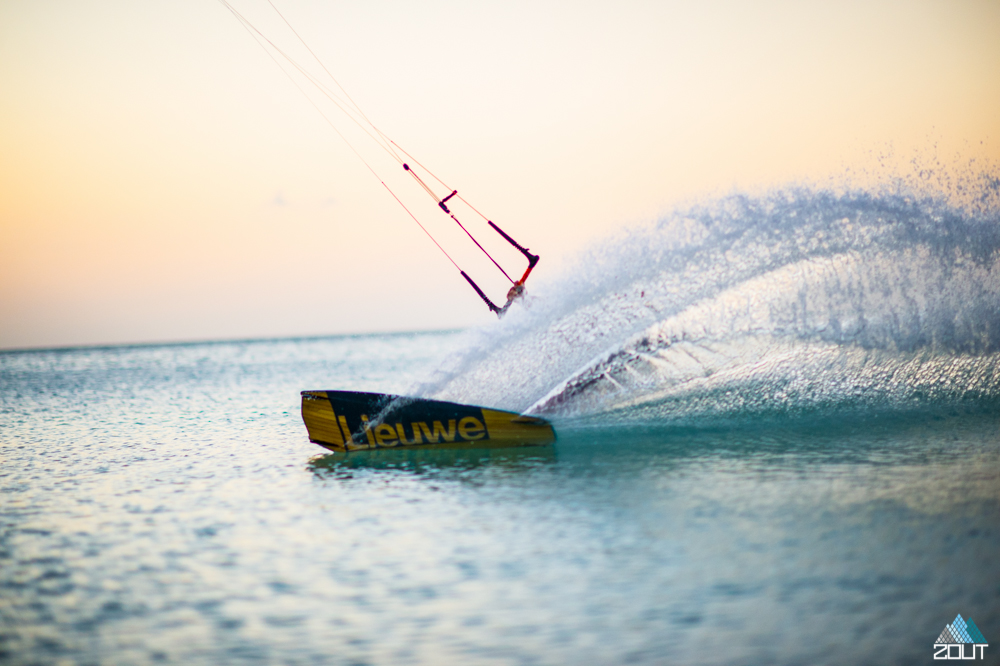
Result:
pixel 161 179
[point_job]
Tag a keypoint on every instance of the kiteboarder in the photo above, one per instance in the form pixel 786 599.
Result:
pixel 514 293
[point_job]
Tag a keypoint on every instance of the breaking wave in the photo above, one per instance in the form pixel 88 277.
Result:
pixel 802 300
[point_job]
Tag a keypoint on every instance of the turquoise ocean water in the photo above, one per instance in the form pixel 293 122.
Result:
pixel 778 444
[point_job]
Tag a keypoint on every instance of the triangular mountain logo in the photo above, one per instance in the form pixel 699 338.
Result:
pixel 958 635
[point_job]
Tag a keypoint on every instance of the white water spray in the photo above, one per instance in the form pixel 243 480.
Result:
pixel 797 301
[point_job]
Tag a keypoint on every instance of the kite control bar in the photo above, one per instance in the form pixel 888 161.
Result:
pixel 532 258
pixel 486 299
pixel 518 289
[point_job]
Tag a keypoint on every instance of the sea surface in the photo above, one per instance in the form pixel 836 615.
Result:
pixel 778 442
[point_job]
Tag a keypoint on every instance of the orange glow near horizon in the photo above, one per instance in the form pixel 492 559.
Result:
pixel 162 180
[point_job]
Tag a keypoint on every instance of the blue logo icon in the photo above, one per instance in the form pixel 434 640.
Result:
pixel 957 639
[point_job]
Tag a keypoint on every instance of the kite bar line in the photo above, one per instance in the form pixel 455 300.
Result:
pixel 353 111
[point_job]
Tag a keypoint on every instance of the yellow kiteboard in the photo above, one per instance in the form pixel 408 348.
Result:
pixel 350 421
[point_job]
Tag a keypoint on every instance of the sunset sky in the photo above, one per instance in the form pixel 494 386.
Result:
pixel 162 179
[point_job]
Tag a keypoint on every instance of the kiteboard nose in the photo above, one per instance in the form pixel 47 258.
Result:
pixel 352 420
